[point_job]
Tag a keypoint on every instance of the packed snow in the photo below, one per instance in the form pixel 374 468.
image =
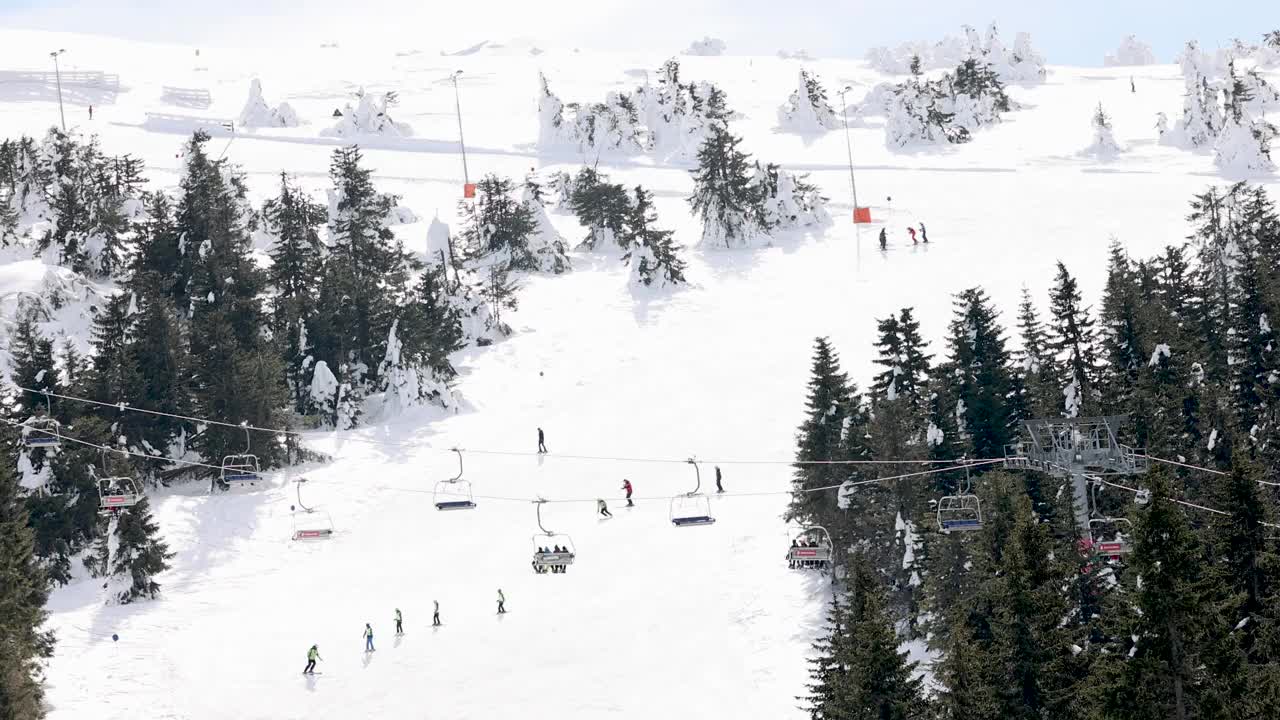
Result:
pixel 650 621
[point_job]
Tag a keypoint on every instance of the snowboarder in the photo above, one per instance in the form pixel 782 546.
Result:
pixel 501 599
pixel 542 442
pixel 924 237
pixel 603 508
pixel 912 231
pixel 626 485
pixel 435 615
pixel 719 486
pixel 368 637
pixel 884 239
pixel 399 622
pixel 312 656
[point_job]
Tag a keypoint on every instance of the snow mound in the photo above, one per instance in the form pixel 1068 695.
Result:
pixel 257 113
pixel 1131 51
pixel 707 46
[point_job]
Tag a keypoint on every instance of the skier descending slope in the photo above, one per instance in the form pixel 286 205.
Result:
pixel 912 232
pixel 368 638
pixel 603 508
pixel 542 442
pixel 312 656
pixel 626 485
pixel 435 616
pixel 923 235
pixel 399 622
pixel 501 600
pixel 884 239
pixel 719 485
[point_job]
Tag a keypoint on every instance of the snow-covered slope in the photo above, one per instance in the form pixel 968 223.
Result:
pixel 652 620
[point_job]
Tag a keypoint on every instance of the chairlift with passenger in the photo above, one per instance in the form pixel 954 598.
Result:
pixel 454 493
pixel 811 549
pixel 1110 536
pixel 693 507
pixel 116 493
pixel 546 559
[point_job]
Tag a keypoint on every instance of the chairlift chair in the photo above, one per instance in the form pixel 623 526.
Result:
pixel 454 493
pixel 1110 536
pixel 41 432
pixel 312 525
pixel 544 558
pixel 961 512
pixel 692 508
pixel 241 468
pixel 117 493
pixel 815 555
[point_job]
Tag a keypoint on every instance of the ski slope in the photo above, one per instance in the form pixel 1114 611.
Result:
pixel 651 620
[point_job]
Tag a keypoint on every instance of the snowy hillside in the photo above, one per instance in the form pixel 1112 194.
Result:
pixel 651 620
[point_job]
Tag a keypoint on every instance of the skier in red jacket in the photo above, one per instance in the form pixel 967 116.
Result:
pixel 626 485
pixel 913 236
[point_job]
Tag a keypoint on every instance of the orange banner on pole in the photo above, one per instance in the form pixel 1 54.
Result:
pixel 861 215
pixel 469 191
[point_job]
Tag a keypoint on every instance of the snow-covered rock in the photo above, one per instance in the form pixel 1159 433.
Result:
pixel 257 113
pixel 1131 51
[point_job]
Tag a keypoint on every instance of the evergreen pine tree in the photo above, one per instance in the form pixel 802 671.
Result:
pixel 1254 363
pixel 33 368
pixel 293 220
pixel 1035 363
pixel 602 207
pixel 430 325
pixel 983 378
pixel 139 554
pixel 1123 338
pixel 879 682
pixel 497 226
pixel 651 252
pixel 1248 562
pixel 820 437
pixel 902 354
pixel 157 362
pixel 1072 342
pixel 23 592
pixel 724 198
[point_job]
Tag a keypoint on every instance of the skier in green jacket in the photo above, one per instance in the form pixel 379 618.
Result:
pixel 312 656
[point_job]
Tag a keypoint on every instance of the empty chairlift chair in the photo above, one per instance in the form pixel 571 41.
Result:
pixel 242 468
pixel 455 493
pixel 312 525
pixel 959 513
pixel 546 557
pixel 41 432
pixel 692 508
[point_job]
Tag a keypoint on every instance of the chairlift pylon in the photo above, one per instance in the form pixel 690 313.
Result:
pixel 814 553
pixel 242 468
pixel 454 493
pixel 961 512
pixel 692 508
pixel 546 558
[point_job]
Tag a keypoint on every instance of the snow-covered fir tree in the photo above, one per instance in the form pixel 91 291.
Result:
pixel 724 197
pixel 807 110
pixel 1243 144
pixel 601 207
pixel 1131 51
pixel 786 201
pixel 370 116
pixel 949 109
pixel 138 554
pixel 652 255
pixel 707 46
pixel 499 228
pixel 1201 119
pixel 24 589
pixel 545 243
pixel 1104 145
pixel 257 113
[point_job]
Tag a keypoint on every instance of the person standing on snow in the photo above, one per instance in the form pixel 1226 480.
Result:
pixel 912 232
pixel 399 622
pixel 312 656
pixel 542 442
pixel 603 508
pixel 626 485
pixel 884 239
pixel 435 616
pixel 923 236
pixel 501 599
pixel 368 637
pixel 719 486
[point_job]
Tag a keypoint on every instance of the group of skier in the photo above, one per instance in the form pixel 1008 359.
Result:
pixel 313 654
pixel 923 238
pixel 794 563
pixel 541 569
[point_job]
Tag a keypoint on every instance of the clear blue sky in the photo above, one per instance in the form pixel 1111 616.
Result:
pixel 1077 32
